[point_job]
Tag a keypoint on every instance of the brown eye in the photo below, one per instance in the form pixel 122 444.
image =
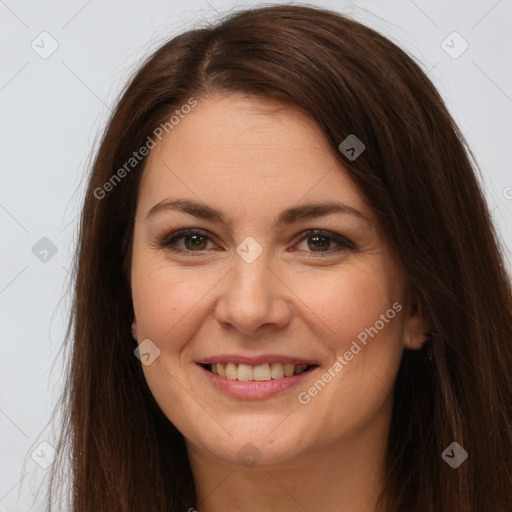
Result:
pixel 319 243
pixel 193 241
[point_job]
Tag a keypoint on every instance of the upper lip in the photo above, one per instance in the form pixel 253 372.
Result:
pixel 256 360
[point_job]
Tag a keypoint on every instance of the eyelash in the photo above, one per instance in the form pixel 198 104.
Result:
pixel 341 241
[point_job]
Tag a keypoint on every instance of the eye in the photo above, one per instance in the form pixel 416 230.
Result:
pixel 196 241
pixel 319 241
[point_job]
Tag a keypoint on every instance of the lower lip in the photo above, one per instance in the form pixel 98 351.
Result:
pixel 254 388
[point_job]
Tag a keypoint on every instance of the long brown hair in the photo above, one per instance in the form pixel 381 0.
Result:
pixel 418 175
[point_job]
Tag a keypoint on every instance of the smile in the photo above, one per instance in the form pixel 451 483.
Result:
pixel 260 372
pixel 265 377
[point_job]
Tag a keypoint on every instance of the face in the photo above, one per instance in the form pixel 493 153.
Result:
pixel 266 276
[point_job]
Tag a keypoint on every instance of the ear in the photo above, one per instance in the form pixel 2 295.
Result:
pixel 134 329
pixel 417 326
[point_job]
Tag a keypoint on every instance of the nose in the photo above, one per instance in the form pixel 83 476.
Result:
pixel 254 297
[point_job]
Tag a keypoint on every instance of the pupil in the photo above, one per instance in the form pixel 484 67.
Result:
pixel 319 245
pixel 195 239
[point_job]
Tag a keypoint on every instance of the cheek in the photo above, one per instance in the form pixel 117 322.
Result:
pixel 360 314
pixel 167 300
pixel 352 301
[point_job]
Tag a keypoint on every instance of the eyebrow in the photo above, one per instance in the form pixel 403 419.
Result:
pixel 286 217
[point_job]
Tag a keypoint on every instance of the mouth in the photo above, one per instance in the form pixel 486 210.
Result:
pixel 256 377
pixel 260 372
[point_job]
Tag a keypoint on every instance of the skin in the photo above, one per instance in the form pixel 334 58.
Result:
pixel 252 158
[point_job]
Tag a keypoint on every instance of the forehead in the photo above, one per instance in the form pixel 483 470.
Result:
pixel 240 150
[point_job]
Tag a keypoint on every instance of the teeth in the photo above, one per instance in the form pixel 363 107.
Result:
pixel 288 370
pixel 245 372
pixel 277 370
pixel 261 372
pixel 300 368
pixel 231 371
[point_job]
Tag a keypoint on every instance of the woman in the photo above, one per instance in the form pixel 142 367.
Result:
pixel 219 362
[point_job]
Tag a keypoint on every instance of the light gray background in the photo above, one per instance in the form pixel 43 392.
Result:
pixel 53 109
